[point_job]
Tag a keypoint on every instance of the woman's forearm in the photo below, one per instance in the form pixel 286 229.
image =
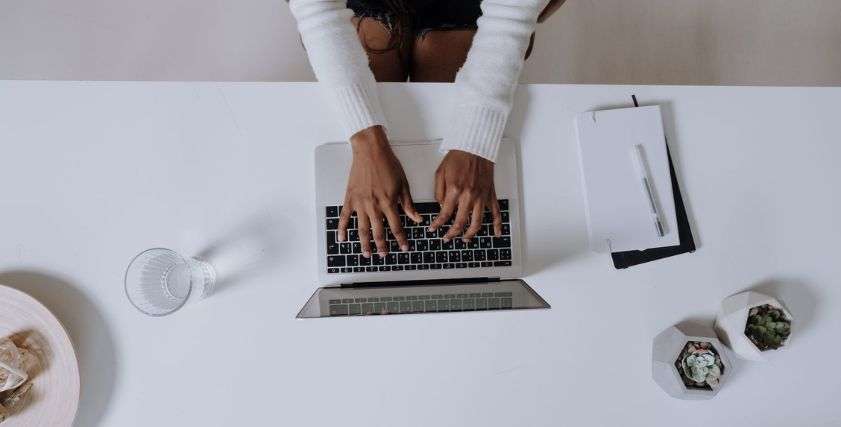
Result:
pixel 485 84
pixel 339 62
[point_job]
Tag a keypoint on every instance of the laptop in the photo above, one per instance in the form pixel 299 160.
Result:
pixel 434 276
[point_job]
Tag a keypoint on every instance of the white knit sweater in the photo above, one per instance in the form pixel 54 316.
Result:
pixel 484 85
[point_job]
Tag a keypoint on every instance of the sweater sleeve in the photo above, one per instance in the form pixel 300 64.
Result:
pixel 485 84
pixel 339 62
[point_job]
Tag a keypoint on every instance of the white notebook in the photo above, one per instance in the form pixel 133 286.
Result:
pixel 619 215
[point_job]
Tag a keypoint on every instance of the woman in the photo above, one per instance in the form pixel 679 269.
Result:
pixel 481 45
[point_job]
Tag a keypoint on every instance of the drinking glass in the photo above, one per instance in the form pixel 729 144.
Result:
pixel 160 281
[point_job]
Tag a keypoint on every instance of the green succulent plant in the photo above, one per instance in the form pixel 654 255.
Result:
pixel 767 327
pixel 700 365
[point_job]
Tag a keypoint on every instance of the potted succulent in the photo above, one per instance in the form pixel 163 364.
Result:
pixel 753 324
pixel 689 362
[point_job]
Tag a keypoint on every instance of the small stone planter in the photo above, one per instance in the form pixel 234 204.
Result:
pixel 666 352
pixel 731 323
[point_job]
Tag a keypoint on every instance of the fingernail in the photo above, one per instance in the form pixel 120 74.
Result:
pixel 381 253
pixel 341 238
pixel 404 248
pixel 366 254
pixel 431 229
pixel 446 239
pixel 465 240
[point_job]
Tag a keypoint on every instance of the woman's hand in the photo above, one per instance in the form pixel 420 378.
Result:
pixel 376 185
pixel 465 181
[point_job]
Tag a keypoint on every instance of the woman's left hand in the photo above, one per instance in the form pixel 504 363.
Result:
pixel 464 186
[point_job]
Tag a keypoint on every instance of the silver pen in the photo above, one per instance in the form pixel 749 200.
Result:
pixel 645 181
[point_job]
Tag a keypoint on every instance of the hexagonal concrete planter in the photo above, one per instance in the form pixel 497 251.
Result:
pixel 732 320
pixel 668 347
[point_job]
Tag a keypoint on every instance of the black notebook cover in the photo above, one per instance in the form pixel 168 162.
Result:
pixel 687 243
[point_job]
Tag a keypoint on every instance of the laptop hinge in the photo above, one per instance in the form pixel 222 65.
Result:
pixel 422 282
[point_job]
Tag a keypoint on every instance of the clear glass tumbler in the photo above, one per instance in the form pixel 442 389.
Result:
pixel 160 281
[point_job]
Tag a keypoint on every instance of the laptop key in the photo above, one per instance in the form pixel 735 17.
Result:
pixel 502 242
pixel 345 248
pixel 461 265
pixel 370 269
pixel 358 269
pixel 421 245
pixel 397 268
pixel 440 257
pixel 455 256
pixel 485 242
pixel 393 246
pixel 339 310
pixel 385 268
pixel 493 254
pixel 347 270
pixel 391 259
pixel 376 259
pixel 336 261
pixel 417 258
pixel 487 264
pixel 352 260
pixel 429 257
pixel 332 248
pixel 506 229
pixel 331 237
pixel 364 261
pixel 447 245
pixel 504 254
pixel 411 267
pixel 353 235
pixel 503 204
pixel 435 244
pixel 332 270
pixel 355 309
pixel 479 255
pixel 459 244
pixel 467 255
pixel 473 243
pixel 502 263
pixel 403 258
pixel 435 266
pixel 473 264
pixel 430 234
pixel 357 248
pixel 332 223
pixel 418 233
pixel 332 211
pixel 504 216
pixel 423 267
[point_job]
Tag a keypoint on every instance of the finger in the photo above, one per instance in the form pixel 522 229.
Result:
pixel 465 205
pixel 409 206
pixel 495 215
pixel 475 221
pixel 344 218
pixel 364 234
pixel 379 230
pixel 440 189
pixel 393 219
pixel 450 204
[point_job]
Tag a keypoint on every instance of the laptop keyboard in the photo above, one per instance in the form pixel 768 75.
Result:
pixel 421 304
pixel 427 251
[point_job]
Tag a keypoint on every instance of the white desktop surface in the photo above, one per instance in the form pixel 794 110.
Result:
pixel 93 173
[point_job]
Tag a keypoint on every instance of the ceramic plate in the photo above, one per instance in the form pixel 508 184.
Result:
pixel 54 396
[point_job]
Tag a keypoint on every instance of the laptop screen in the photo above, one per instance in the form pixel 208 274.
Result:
pixel 421 298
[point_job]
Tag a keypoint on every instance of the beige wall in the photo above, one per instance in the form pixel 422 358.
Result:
pixel 773 42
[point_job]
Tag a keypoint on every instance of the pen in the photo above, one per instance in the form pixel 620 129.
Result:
pixel 645 181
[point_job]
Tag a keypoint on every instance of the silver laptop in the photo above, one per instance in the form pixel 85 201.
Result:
pixel 434 276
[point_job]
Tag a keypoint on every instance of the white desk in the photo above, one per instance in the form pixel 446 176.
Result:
pixel 93 173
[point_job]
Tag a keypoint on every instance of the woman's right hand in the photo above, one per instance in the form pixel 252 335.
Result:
pixel 376 186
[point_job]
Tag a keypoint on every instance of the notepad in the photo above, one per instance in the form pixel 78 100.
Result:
pixel 618 211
